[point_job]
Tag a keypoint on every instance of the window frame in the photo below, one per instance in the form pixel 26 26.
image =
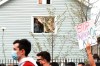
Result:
pixel 32 25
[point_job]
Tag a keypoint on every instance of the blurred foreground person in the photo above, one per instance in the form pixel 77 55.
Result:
pixel 21 49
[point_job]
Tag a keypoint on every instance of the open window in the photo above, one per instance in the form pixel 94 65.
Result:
pixel 43 24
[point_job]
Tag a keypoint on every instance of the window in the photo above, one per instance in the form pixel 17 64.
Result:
pixel 44 1
pixel 43 24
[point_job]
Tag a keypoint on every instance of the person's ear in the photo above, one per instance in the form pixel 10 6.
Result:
pixel 45 60
pixel 22 51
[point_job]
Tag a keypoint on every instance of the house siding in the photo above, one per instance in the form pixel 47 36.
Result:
pixel 16 15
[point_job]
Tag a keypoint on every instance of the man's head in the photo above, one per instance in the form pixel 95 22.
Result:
pixel 81 64
pixel 70 64
pixel 21 48
pixel 96 57
pixel 43 57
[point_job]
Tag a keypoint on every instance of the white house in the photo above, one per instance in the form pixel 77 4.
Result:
pixel 18 18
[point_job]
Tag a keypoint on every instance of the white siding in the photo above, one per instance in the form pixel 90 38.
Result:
pixel 15 15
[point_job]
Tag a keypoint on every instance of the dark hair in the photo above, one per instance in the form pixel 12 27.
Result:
pixel 45 55
pixel 38 63
pixel 35 19
pixel 54 64
pixel 98 40
pixel 2 65
pixel 70 64
pixel 81 63
pixel 98 64
pixel 95 56
pixel 24 44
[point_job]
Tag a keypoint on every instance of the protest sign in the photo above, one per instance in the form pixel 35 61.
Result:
pixel 86 33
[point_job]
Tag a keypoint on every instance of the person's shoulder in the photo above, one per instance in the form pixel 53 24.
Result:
pixel 28 63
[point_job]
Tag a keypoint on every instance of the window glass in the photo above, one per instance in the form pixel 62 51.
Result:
pixel 43 24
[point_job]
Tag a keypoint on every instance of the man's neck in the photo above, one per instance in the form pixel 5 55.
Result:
pixel 46 64
pixel 21 58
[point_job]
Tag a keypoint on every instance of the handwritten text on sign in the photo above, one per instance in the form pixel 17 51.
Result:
pixel 85 33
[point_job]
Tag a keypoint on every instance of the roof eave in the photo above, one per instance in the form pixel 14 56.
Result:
pixel 3 1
